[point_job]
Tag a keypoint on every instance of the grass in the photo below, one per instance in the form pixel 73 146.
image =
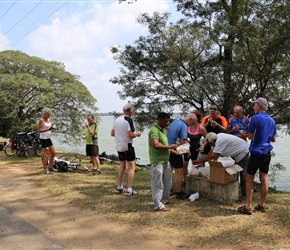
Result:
pixel 205 223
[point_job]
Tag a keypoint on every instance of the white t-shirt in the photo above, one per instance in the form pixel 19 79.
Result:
pixel 121 126
pixel 230 145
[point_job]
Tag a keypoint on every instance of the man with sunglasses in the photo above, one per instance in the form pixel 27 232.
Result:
pixel 214 122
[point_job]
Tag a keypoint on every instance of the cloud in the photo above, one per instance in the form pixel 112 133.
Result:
pixel 80 36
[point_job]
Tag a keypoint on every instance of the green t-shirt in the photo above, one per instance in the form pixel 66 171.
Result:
pixel 92 140
pixel 158 156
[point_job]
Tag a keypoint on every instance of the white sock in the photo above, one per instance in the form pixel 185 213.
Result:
pixel 120 187
pixel 129 190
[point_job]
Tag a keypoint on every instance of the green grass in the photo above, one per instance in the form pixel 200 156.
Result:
pixel 205 222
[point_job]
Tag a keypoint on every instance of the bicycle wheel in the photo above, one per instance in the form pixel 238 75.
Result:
pixel 8 151
pixel 37 148
pixel 26 151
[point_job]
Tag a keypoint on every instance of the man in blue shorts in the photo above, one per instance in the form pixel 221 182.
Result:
pixel 124 132
pixel 261 132
pixel 177 132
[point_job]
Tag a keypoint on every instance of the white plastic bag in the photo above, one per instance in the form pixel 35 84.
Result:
pixel 194 171
pixel 183 148
pixel 193 197
pixel 204 171
pixel 226 161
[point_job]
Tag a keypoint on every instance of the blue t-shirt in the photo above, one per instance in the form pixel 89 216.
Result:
pixel 177 130
pixel 242 123
pixel 263 127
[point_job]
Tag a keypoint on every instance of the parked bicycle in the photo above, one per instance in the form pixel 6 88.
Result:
pixel 22 144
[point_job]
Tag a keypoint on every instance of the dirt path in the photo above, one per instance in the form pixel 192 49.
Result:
pixel 31 219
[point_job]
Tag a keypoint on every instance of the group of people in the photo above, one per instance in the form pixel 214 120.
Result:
pixel 45 128
pixel 221 138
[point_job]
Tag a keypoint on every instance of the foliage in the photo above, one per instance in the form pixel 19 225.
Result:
pixel 28 84
pixel 222 52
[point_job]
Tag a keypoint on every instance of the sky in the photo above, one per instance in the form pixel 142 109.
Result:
pixel 78 34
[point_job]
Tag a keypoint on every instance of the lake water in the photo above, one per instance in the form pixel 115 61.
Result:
pixel 107 144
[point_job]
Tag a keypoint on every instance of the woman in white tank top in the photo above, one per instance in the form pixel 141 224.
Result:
pixel 44 129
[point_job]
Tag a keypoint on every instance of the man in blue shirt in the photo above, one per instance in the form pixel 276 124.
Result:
pixel 261 132
pixel 238 124
pixel 177 134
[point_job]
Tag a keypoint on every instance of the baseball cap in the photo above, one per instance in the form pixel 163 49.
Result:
pixel 261 100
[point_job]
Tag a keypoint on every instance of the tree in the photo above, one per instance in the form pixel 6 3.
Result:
pixel 222 52
pixel 28 84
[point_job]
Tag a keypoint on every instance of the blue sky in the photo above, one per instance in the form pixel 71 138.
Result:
pixel 78 34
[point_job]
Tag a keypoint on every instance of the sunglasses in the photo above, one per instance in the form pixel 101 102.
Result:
pixel 213 109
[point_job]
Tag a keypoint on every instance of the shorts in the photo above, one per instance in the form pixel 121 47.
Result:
pixel 92 150
pixel 193 155
pixel 176 161
pixel 45 143
pixel 261 162
pixel 128 155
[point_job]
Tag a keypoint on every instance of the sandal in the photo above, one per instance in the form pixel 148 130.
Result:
pixel 244 210
pixel 164 209
pixel 47 172
pixel 261 208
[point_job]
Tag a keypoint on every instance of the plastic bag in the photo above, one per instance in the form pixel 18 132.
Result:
pixel 183 149
pixel 194 197
pixel 226 161
pixel 194 171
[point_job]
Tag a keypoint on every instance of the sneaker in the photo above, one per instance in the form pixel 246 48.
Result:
pixel 121 190
pixel 53 170
pixel 97 172
pixel 132 193
pixel 93 170
pixel 47 172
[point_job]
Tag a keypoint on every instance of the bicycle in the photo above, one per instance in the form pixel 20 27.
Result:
pixel 147 166
pixel 114 159
pixel 22 143
pixel 17 147
pixel 35 143
pixel 63 163
pixel 22 148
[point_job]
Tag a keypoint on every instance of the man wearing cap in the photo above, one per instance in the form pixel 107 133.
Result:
pixel 262 131
pixel 228 145
pixel 213 123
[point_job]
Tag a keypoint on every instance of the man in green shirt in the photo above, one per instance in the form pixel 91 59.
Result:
pixel 160 170
pixel 92 148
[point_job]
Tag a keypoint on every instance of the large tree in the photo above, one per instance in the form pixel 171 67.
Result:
pixel 222 52
pixel 28 84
